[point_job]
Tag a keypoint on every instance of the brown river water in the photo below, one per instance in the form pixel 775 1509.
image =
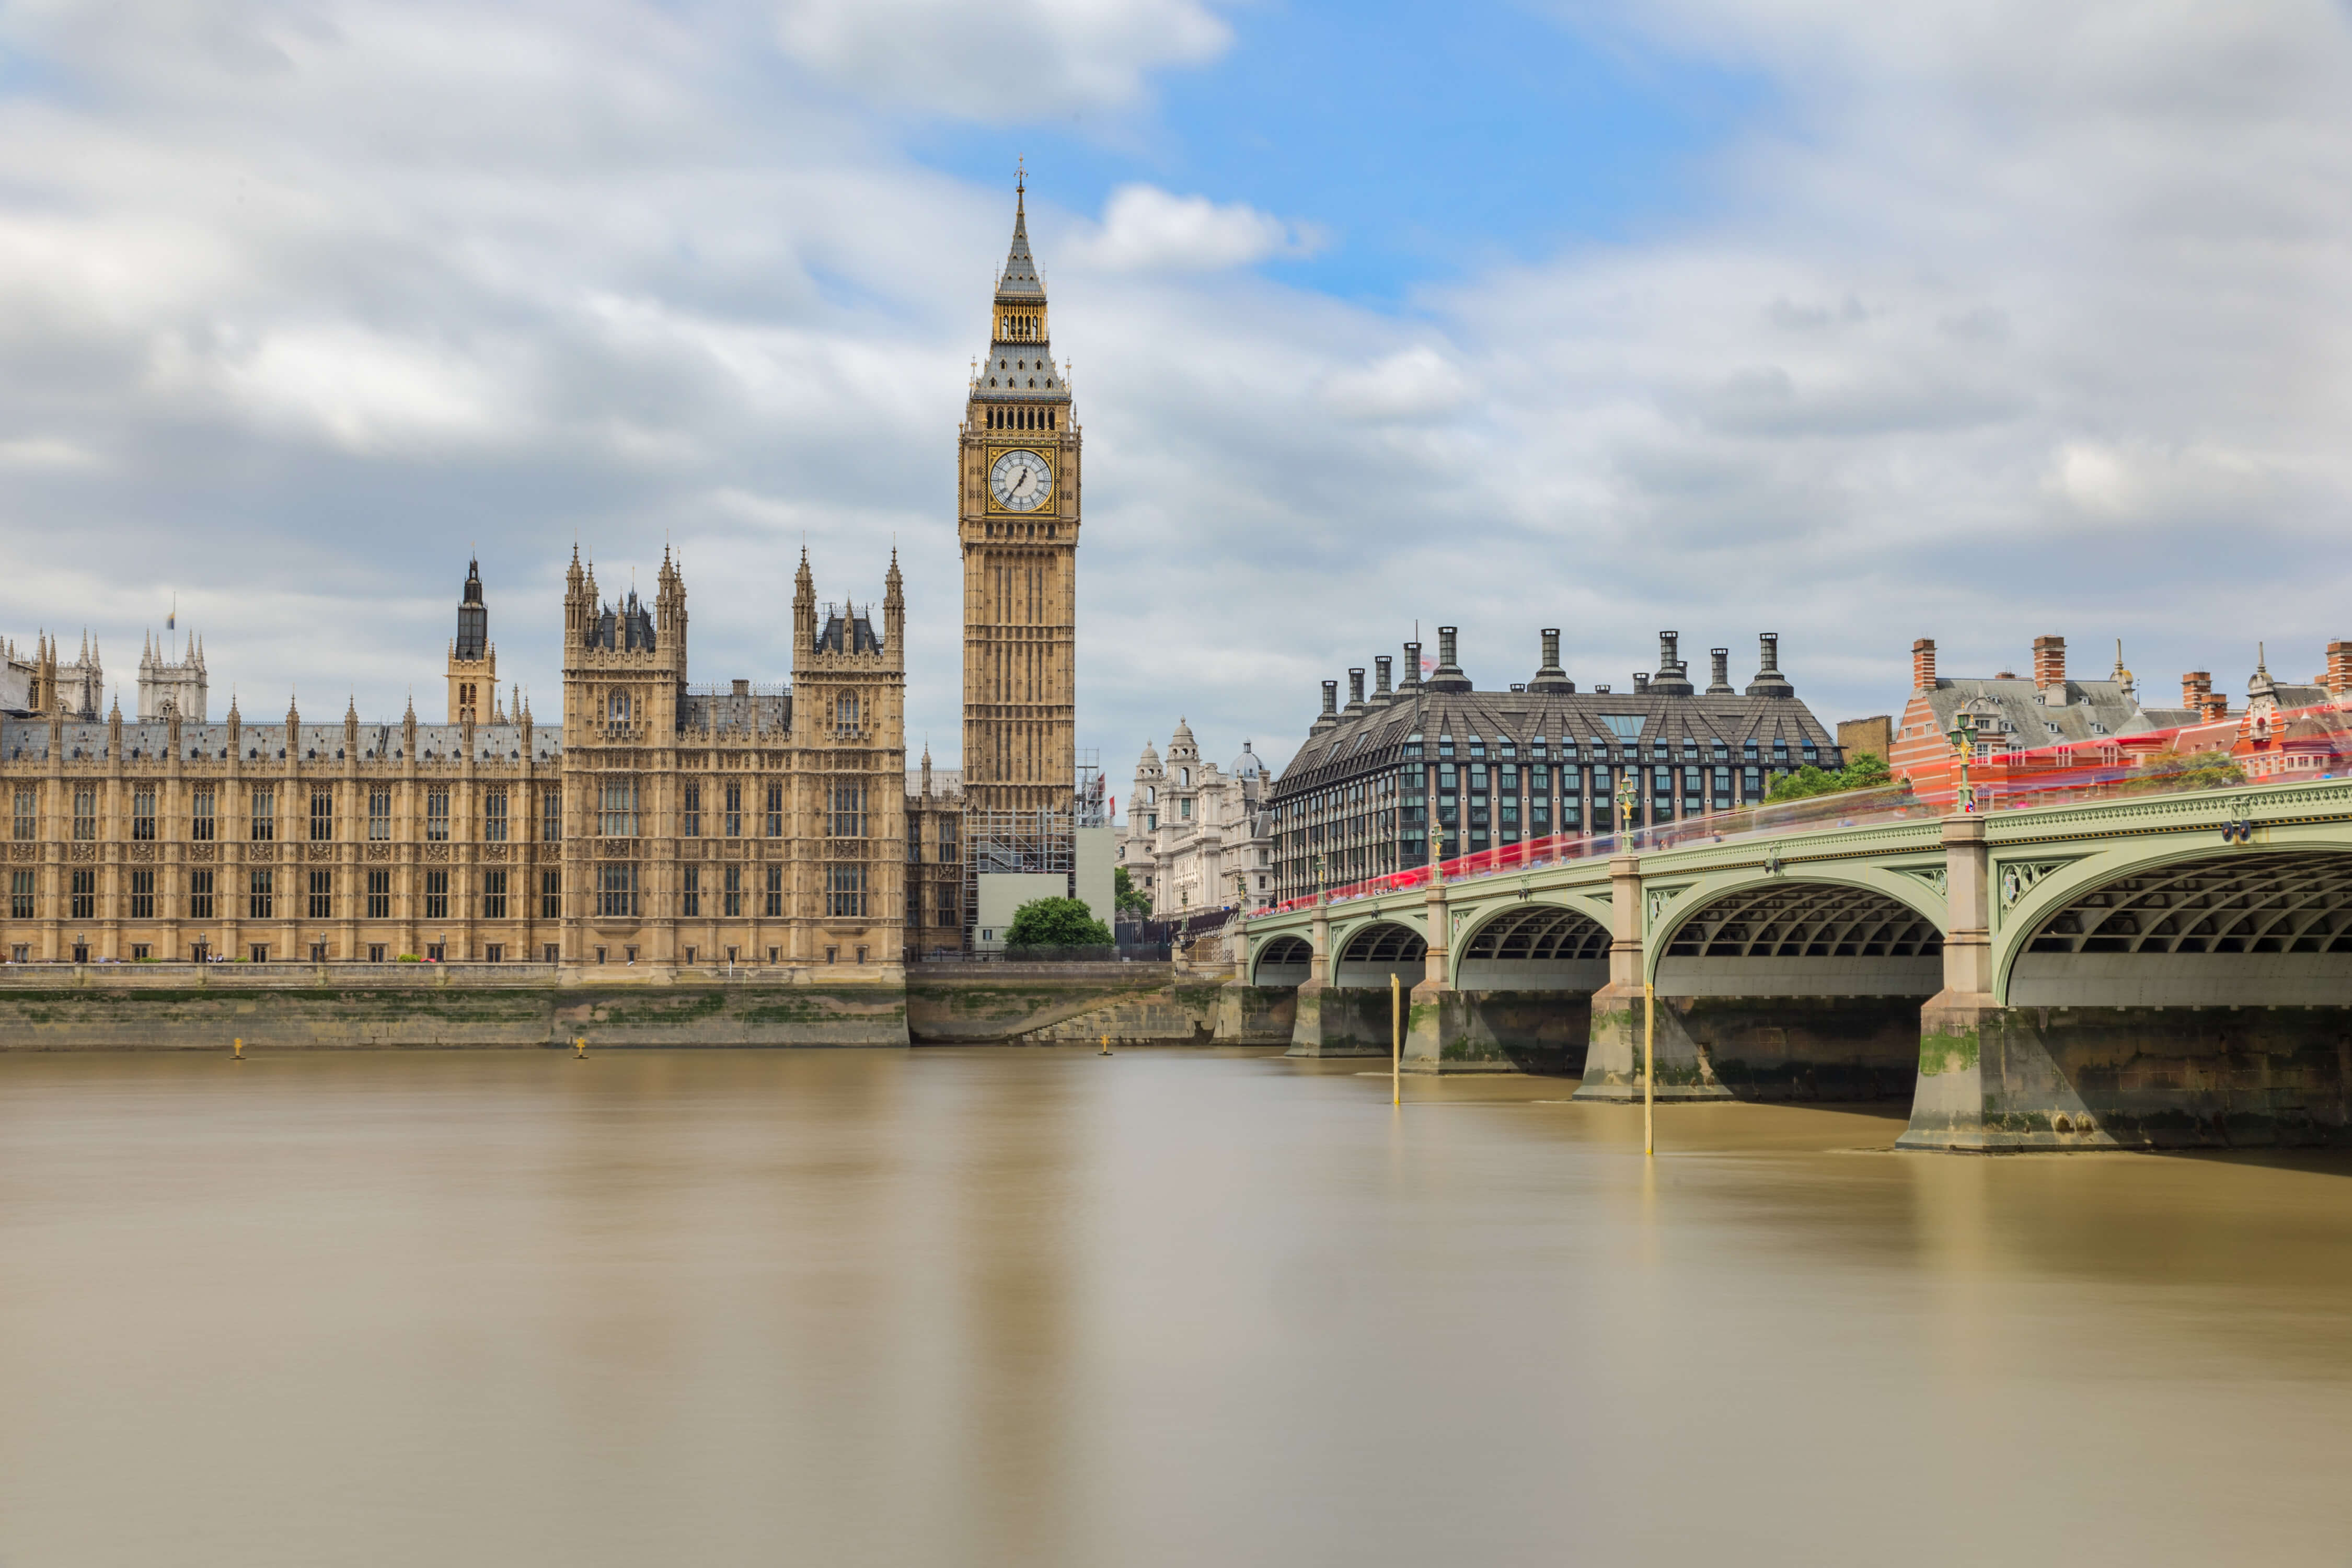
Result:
pixel 1033 1307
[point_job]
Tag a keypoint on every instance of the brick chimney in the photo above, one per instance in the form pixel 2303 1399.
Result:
pixel 2050 669
pixel 2339 671
pixel 1923 665
pixel 2195 687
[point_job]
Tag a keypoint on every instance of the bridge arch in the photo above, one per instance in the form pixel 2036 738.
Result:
pixel 1804 985
pixel 1370 952
pixel 1283 961
pixel 2245 926
pixel 1532 946
pixel 1852 932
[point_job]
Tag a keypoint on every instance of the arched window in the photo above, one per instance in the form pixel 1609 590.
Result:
pixel 1049 419
pixel 1185 777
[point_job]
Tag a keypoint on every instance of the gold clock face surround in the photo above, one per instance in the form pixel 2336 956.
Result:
pixel 1020 479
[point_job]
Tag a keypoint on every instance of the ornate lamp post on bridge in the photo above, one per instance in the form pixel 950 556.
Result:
pixel 1963 740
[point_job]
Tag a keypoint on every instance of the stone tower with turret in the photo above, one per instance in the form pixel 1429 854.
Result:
pixel 849 699
pixel 1017 488
pixel 473 657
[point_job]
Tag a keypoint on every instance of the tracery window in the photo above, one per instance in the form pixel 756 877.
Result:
pixel 844 890
pixel 617 813
pixel 846 819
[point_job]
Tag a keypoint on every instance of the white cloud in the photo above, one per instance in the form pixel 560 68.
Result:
pixel 1146 229
pixel 2021 321
pixel 1411 384
pixel 368 393
pixel 39 453
pixel 1005 62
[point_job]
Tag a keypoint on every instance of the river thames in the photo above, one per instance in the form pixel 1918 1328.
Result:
pixel 1040 1308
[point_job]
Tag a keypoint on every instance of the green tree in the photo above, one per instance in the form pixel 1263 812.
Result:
pixel 1128 899
pixel 1805 782
pixel 2176 770
pixel 1056 922
pixel 1867 771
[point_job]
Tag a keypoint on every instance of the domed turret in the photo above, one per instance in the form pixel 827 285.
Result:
pixel 1246 765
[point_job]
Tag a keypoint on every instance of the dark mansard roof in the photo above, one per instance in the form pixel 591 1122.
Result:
pixel 1362 739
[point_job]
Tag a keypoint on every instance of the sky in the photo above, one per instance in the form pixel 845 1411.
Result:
pixel 1857 323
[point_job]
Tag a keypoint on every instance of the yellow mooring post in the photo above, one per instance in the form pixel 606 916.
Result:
pixel 1395 1040
pixel 1105 1040
pixel 236 1049
pixel 580 1047
pixel 1649 1069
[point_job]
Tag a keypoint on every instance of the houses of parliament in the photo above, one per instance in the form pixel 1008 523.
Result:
pixel 654 821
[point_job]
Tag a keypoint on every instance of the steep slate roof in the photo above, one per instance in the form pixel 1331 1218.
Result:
pixel 1019 282
pixel 1020 370
pixel 2095 709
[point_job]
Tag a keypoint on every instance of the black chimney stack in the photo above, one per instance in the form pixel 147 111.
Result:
pixel 1550 676
pixel 1770 682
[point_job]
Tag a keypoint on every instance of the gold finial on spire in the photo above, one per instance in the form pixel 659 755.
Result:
pixel 1020 178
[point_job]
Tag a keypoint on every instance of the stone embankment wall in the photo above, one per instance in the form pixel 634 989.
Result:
pixel 1053 1004
pixel 181 1006
pixel 62 1008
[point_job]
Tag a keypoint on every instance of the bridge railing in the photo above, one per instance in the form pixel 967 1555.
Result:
pixel 2274 746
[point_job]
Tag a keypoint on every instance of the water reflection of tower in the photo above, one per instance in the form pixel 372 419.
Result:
pixel 1020 1166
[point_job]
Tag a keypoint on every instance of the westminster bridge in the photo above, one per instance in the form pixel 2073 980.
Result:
pixel 2133 971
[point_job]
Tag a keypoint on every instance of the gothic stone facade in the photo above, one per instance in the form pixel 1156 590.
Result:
pixel 661 823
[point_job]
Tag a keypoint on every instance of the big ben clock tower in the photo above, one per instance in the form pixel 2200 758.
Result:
pixel 1018 518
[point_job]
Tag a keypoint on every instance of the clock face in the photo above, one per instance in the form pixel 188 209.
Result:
pixel 1021 481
